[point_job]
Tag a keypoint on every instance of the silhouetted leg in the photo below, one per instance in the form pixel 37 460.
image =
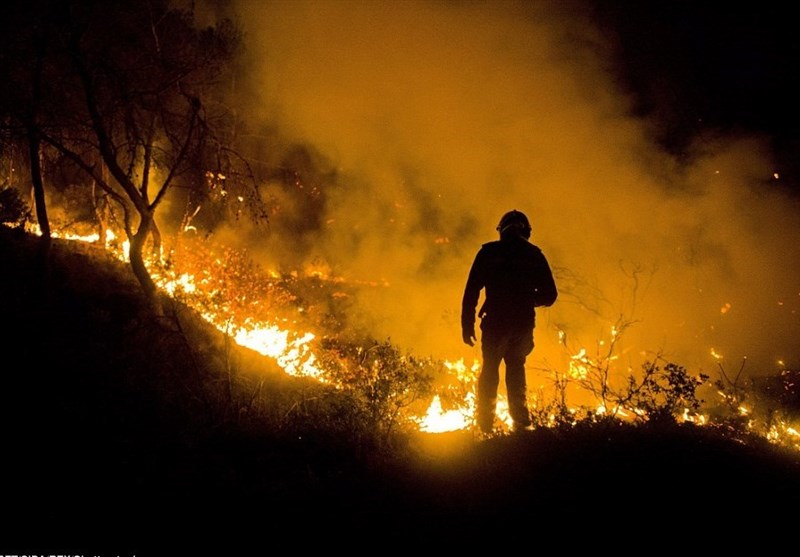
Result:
pixel 520 346
pixel 488 381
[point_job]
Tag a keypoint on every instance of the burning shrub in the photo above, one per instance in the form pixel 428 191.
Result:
pixel 554 412
pixel 765 405
pixel 660 394
pixel 228 286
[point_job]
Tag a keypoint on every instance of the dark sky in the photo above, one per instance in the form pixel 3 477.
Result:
pixel 701 67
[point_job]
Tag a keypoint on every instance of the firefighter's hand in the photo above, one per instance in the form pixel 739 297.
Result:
pixel 469 336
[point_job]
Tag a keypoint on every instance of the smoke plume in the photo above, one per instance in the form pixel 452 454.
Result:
pixel 425 121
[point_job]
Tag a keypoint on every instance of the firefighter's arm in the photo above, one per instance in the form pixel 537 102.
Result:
pixel 546 292
pixel 469 303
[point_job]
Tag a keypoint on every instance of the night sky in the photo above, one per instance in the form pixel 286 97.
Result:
pixel 706 67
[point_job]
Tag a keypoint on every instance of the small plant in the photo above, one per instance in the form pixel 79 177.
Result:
pixel 767 405
pixel 664 393
pixel 594 374
pixel 554 413
pixel 382 382
pixel 733 392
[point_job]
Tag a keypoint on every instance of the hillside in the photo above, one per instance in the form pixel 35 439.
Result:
pixel 117 437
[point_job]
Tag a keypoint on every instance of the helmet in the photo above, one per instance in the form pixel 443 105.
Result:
pixel 514 223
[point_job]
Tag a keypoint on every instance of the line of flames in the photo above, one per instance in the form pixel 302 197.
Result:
pixel 294 354
pixel 291 350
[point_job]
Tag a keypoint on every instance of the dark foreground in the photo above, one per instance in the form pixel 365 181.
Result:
pixel 101 457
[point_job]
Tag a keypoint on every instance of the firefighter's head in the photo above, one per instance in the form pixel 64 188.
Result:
pixel 514 223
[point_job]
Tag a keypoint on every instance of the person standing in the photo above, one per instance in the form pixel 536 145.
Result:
pixel 516 278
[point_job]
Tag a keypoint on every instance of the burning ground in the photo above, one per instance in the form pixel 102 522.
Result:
pixel 119 431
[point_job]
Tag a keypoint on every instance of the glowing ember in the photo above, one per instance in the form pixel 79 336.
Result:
pixel 578 365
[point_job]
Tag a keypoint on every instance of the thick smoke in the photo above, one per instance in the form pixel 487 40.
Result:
pixel 437 117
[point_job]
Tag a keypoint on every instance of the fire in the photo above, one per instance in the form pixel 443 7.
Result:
pixel 578 365
pixel 437 420
pixel 294 352
pixel 291 351
pixel 461 370
pixel 184 282
pixel 692 417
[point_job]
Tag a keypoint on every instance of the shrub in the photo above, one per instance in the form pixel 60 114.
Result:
pixel 379 379
pixel 664 393
pixel 13 210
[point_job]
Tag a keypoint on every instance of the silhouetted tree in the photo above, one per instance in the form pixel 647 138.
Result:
pixel 138 104
pixel 26 37
pixel 147 74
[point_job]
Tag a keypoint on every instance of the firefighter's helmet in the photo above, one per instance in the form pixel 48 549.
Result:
pixel 514 223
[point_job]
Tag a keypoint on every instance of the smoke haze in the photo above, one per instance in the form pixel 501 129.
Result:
pixel 435 118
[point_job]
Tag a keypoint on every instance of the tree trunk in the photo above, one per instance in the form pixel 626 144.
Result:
pixel 101 213
pixel 102 206
pixel 155 232
pixel 34 144
pixel 135 256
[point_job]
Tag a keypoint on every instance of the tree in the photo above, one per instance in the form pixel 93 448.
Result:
pixel 24 52
pixel 139 108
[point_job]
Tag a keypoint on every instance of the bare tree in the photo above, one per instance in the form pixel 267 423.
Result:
pixel 140 111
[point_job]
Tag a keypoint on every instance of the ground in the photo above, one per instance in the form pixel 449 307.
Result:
pixel 107 451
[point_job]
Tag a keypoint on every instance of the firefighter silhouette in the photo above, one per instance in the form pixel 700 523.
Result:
pixel 516 279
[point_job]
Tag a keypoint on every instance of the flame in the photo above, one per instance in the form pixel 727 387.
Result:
pixel 184 283
pixel 579 365
pixel 463 373
pixel 293 351
pixel 693 417
pixel 436 420
pixel 290 350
